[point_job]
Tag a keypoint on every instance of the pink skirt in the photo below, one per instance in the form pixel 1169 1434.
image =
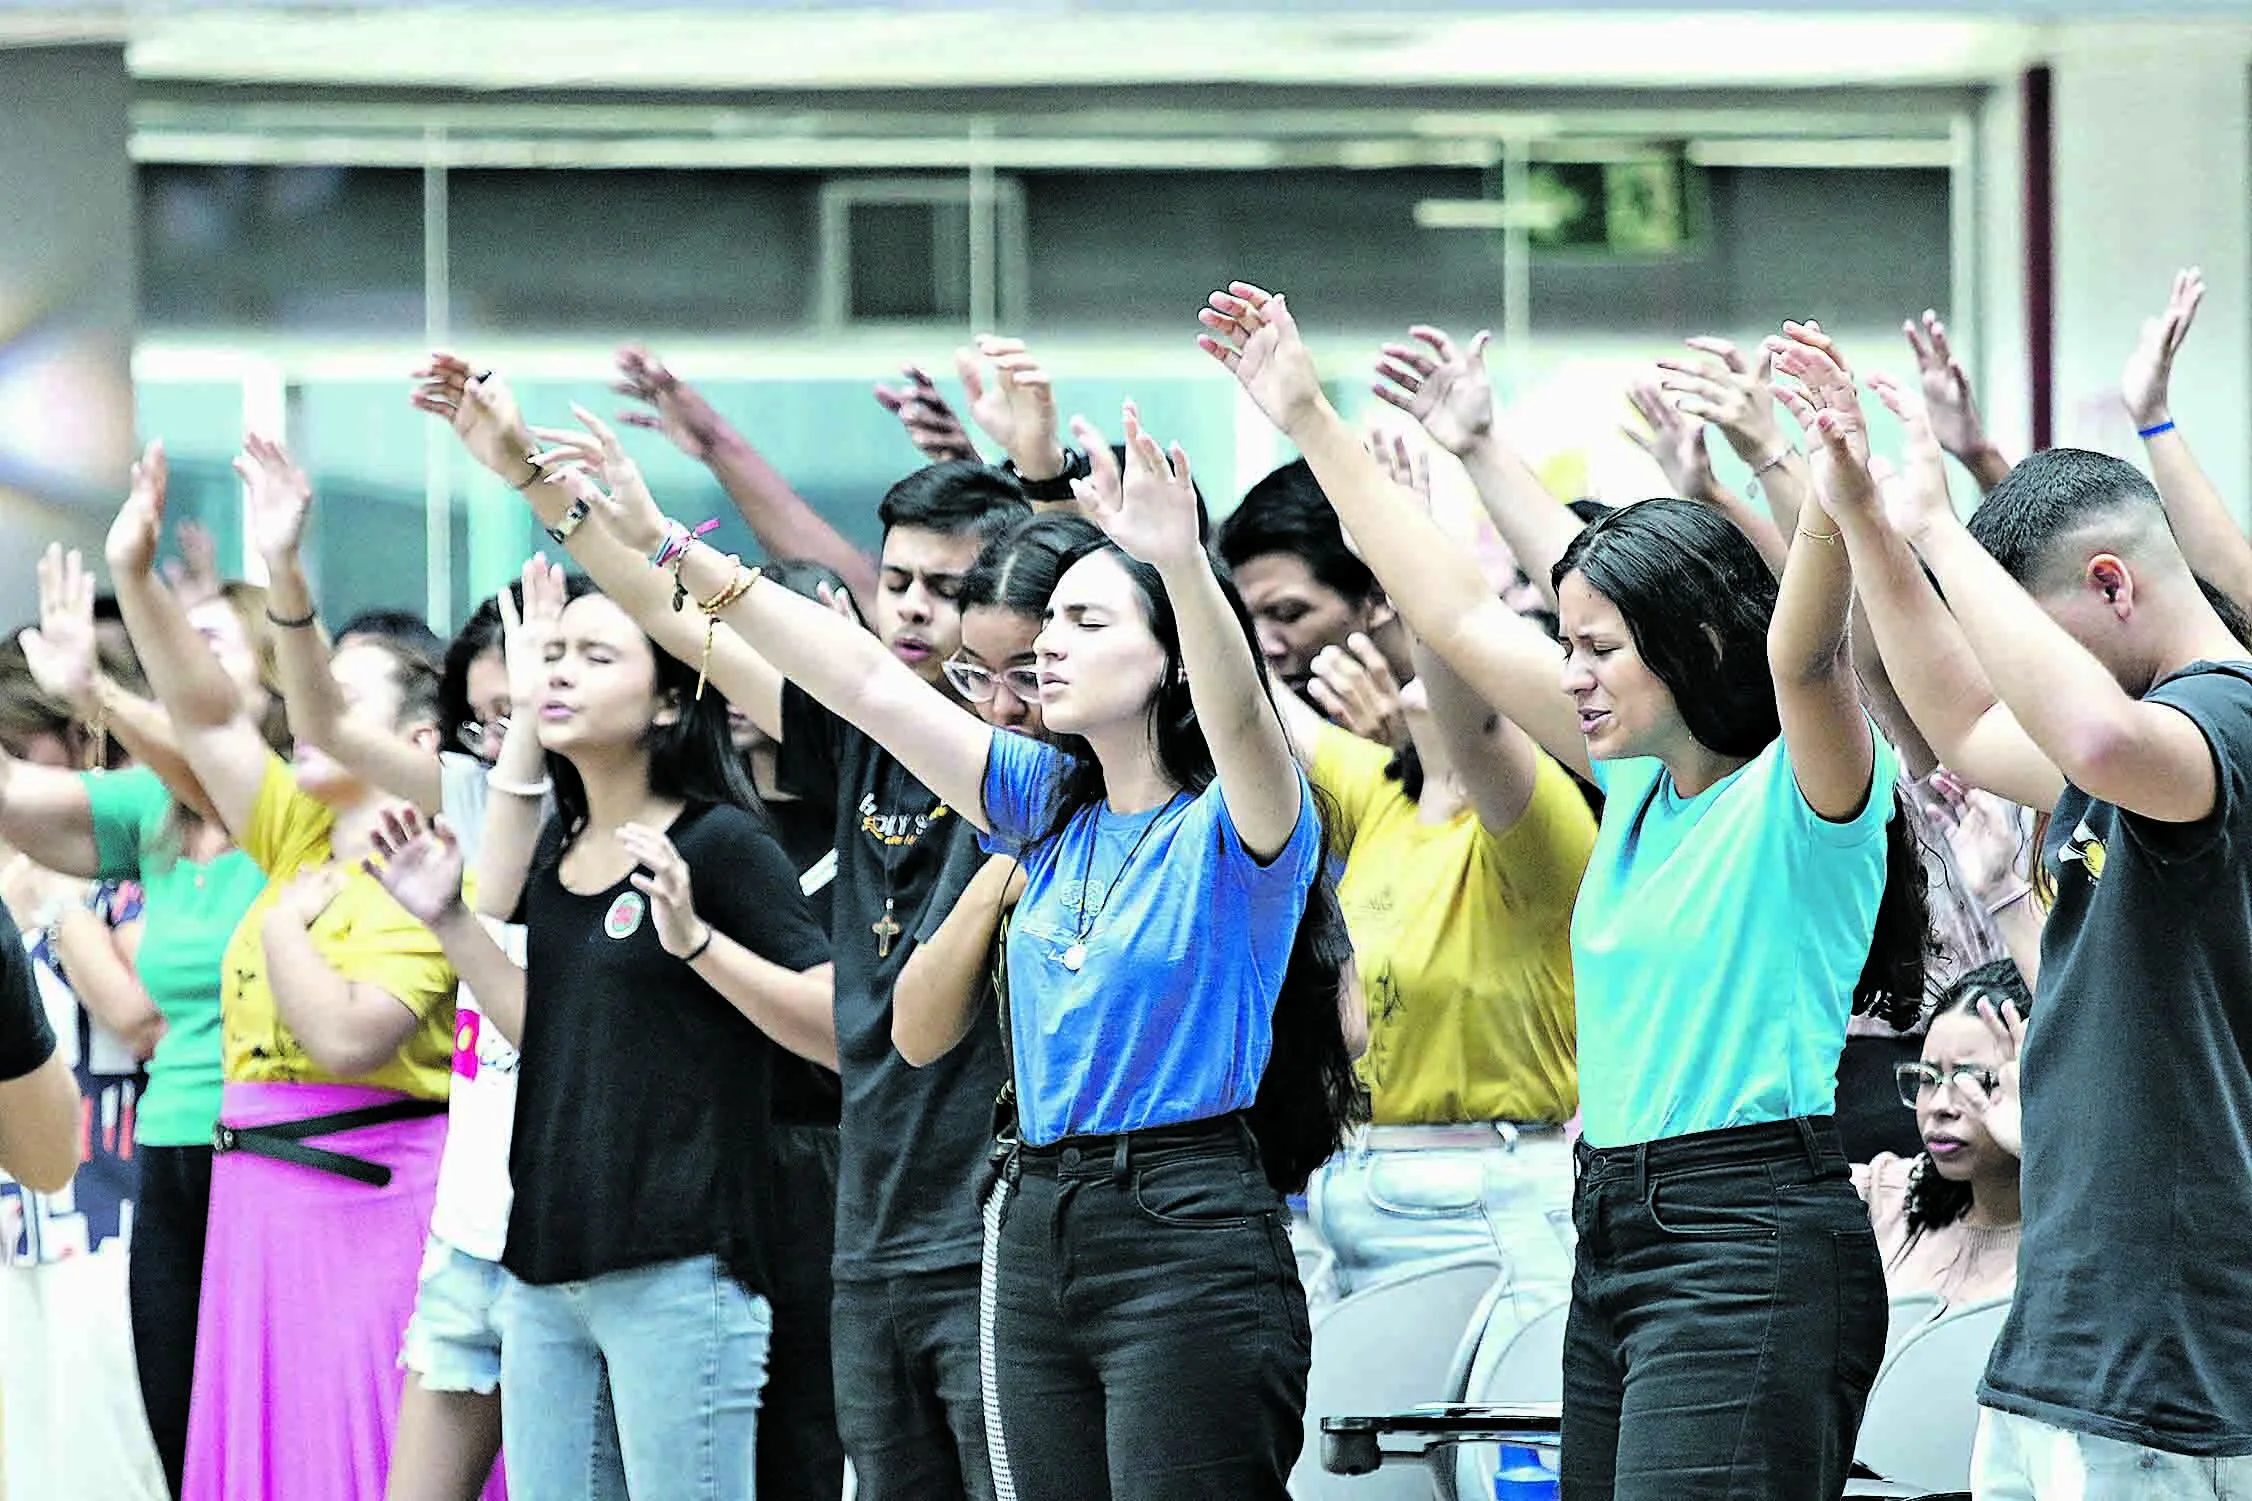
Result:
pixel 308 1282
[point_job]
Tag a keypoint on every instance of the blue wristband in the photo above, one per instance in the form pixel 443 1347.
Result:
pixel 2147 433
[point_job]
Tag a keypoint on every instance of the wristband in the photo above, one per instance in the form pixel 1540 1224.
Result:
pixel 295 623
pixel 1787 451
pixel 1076 466
pixel 572 520
pixel 538 789
pixel 2147 433
pixel 698 951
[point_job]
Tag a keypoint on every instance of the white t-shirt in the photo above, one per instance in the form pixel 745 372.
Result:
pixel 474 1192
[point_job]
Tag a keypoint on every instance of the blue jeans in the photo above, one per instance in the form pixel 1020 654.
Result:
pixel 2024 1459
pixel 684 1347
pixel 1397 1198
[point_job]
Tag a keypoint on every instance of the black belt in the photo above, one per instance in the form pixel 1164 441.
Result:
pixel 284 1141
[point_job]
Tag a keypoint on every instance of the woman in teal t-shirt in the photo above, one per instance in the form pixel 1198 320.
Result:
pixel 125 825
pixel 1750 886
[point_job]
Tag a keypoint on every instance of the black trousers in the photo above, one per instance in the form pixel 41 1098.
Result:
pixel 164 1287
pixel 800 1456
pixel 1728 1315
pixel 907 1386
pixel 1149 1333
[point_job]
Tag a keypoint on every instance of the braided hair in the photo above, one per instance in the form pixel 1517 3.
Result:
pixel 1934 1200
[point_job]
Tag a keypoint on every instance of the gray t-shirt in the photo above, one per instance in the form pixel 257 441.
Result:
pixel 2135 1278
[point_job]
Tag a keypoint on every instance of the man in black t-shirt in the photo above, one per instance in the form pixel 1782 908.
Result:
pixel 38 1096
pixel 2077 663
pixel 911 1140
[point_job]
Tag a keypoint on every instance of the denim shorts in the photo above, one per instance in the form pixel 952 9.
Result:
pixel 452 1343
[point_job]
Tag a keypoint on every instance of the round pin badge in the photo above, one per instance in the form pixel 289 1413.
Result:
pixel 624 917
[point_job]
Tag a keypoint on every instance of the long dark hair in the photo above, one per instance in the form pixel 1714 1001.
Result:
pixel 692 759
pixel 479 634
pixel 1934 1200
pixel 1309 1095
pixel 1698 598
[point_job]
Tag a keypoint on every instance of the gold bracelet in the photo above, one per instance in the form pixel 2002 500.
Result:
pixel 1830 537
pixel 736 588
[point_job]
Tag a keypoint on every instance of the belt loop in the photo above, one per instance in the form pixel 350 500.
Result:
pixel 1807 1139
pixel 1641 1153
pixel 1118 1159
pixel 1508 1133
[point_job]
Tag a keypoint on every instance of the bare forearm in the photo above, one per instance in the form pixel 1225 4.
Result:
pixel 145 730
pixel 1766 533
pixel 105 984
pixel 1927 659
pixel 495 979
pixel 1535 527
pixel 786 527
pixel 340 1029
pixel 796 1008
pixel 1808 634
pixel 514 809
pixel 935 1003
pixel 187 680
pixel 1250 752
pixel 1987 465
pixel 39 1127
pixel 2201 518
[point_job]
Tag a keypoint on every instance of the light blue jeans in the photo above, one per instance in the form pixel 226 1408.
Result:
pixel 2024 1459
pixel 1401 1197
pixel 685 1349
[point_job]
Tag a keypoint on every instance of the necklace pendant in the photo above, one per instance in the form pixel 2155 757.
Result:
pixel 1075 956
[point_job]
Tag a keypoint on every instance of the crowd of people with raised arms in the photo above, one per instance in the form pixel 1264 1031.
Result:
pixel 723 1028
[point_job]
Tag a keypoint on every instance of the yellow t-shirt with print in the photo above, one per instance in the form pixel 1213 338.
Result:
pixel 1463 940
pixel 364 934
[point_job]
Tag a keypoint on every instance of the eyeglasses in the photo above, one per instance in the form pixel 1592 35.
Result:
pixel 473 736
pixel 1970 1081
pixel 977 683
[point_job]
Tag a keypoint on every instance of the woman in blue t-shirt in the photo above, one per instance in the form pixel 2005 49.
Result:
pixel 1173 969
pixel 1750 886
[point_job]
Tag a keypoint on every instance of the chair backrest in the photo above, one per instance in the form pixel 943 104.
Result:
pixel 1922 1417
pixel 1909 1313
pixel 1524 1366
pixel 1386 1348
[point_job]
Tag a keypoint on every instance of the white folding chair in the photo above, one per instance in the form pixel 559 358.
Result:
pixel 1391 1344
pixel 1922 1418
pixel 1525 1367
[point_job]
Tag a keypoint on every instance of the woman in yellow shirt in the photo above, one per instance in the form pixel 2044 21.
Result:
pixel 1462 858
pixel 337 1013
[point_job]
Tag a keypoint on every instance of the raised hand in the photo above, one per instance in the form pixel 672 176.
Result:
pixel 1828 405
pixel 1409 467
pixel 194 575
pixel 672 901
pixel 1153 517
pixel 482 411
pixel 1254 335
pixel 1955 421
pixel 931 423
pixel 674 408
pixel 1733 392
pixel 133 536
pixel 2145 383
pixel 1353 686
pixel 61 649
pixel 1915 496
pixel 588 460
pixel 1440 385
pixel 2000 1111
pixel 278 495
pixel 419 864
pixel 1017 409
pixel 524 634
pixel 1673 440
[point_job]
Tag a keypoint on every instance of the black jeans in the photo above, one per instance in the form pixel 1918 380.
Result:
pixel 800 1456
pixel 907 1386
pixel 164 1282
pixel 1728 1315
pixel 1149 1331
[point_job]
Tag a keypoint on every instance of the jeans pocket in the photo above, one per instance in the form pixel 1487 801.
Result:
pixel 1732 1203
pixel 1202 1193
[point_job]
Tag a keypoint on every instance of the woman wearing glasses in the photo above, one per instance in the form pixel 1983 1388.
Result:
pixel 1947 1218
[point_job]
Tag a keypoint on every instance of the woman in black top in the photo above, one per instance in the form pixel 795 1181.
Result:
pixel 669 952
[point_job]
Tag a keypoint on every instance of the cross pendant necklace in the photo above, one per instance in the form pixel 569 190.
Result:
pixel 886 928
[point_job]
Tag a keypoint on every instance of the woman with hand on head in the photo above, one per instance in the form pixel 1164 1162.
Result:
pixel 668 953
pixel 1749 888
pixel 1148 1333
pixel 338 1022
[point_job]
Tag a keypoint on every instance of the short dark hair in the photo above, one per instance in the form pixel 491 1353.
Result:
pixel 407 627
pixel 2050 494
pixel 959 497
pixel 1287 513
pixel 806 576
